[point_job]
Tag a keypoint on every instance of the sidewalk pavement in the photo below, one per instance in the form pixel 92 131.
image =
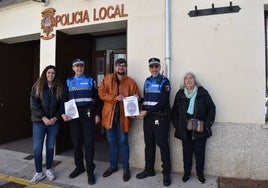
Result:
pixel 21 165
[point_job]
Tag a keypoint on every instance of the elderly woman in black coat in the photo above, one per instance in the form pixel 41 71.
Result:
pixel 193 114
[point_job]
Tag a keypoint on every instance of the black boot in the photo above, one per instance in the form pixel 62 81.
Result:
pixel 201 178
pixel 145 174
pixel 186 177
pixel 91 179
pixel 76 172
pixel 166 180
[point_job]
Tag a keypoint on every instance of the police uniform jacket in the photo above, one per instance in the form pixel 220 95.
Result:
pixel 48 105
pixel 156 95
pixel 83 90
pixel 108 91
pixel 204 110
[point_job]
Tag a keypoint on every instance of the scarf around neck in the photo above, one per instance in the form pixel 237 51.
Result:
pixel 192 97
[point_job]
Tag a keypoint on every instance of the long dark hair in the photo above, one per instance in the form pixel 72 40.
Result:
pixel 42 80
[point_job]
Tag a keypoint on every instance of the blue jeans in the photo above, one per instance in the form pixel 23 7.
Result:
pixel 117 139
pixel 40 130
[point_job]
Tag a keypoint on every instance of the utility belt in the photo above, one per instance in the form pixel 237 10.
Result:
pixel 87 109
pixel 195 125
pixel 161 113
pixel 83 108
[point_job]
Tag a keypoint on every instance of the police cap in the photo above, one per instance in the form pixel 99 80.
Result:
pixel 154 61
pixel 78 61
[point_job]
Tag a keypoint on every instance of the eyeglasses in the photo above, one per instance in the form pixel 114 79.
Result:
pixel 121 65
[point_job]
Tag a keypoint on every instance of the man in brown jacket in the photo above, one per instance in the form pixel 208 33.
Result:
pixel 112 91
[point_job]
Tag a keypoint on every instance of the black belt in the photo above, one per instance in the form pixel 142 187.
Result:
pixel 83 108
pixel 160 113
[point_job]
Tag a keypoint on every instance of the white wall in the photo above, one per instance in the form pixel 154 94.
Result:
pixel 20 19
pixel 225 51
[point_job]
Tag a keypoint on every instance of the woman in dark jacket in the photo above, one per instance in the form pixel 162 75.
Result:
pixel 193 114
pixel 45 102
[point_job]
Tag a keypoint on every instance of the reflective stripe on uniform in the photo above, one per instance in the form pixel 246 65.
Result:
pixel 150 103
pixel 84 100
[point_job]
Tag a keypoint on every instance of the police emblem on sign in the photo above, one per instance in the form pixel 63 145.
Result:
pixel 47 23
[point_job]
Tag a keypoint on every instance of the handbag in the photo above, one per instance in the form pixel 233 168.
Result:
pixel 195 125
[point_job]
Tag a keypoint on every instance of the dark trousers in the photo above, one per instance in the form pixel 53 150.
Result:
pixel 156 135
pixel 197 148
pixel 83 133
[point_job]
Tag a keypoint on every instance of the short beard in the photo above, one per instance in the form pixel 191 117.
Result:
pixel 121 73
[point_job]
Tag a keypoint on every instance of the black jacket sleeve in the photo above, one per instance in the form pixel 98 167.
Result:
pixel 65 98
pixel 35 105
pixel 179 116
pixel 98 102
pixel 210 109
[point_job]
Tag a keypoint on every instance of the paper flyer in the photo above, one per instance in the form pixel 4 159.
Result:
pixel 131 106
pixel 71 109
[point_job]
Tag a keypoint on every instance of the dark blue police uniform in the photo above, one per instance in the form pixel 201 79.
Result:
pixel 156 123
pixel 82 90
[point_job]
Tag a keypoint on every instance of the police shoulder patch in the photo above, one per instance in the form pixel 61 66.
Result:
pixel 168 88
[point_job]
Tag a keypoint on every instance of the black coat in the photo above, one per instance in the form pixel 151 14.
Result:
pixel 205 110
pixel 48 106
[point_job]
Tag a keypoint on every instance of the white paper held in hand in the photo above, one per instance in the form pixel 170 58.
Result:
pixel 131 106
pixel 71 109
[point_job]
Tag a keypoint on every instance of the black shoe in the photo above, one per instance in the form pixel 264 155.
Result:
pixel 144 174
pixel 186 177
pixel 201 178
pixel 109 171
pixel 126 175
pixel 166 180
pixel 91 179
pixel 76 172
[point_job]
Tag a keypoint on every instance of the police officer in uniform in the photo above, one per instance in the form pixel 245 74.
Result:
pixel 156 110
pixel 83 90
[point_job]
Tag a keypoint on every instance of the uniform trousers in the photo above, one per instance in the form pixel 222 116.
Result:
pixel 156 135
pixel 83 133
pixel 197 148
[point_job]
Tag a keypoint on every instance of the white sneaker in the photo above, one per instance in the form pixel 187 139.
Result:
pixel 37 177
pixel 50 175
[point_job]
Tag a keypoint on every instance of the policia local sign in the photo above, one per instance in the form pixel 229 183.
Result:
pixel 50 20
